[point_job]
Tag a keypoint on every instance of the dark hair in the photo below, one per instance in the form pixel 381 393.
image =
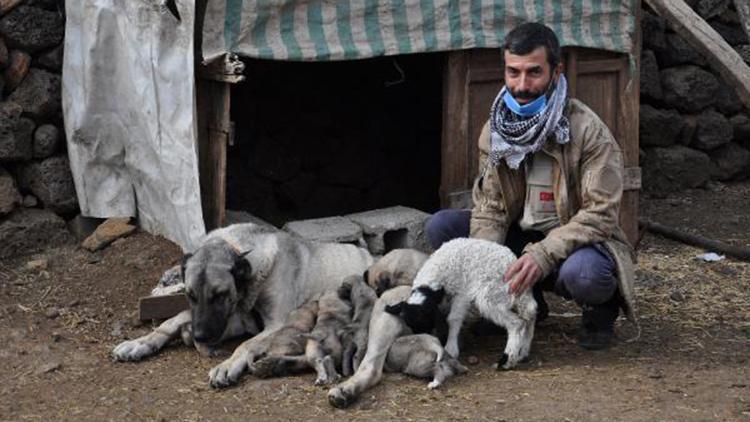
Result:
pixel 526 37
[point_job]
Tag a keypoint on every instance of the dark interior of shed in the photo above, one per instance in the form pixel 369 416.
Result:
pixel 331 138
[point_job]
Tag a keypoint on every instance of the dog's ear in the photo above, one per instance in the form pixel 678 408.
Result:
pixel 396 308
pixel 366 275
pixel 183 262
pixel 242 270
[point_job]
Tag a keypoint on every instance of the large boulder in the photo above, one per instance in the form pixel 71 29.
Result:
pixel 741 129
pixel 650 82
pixel 39 94
pixel 744 52
pixel 730 160
pixel 688 88
pixel 15 133
pixel 732 34
pixel 32 29
pixel 713 130
pixel 50 180
pixel 653 29
pixel 46 138
pixel 659 128
pixel 709 8
pixel 28 230
pixel 679 52
pixel 674 168
pixel 727 101
pixel 10 198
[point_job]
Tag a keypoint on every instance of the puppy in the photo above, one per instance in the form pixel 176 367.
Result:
pixel 362 298
pixel 396 268
pixel 289 340
pixel 422 356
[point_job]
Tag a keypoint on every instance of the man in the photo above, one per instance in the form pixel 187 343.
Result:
pixel 549 187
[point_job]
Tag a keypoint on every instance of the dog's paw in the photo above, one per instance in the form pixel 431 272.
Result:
pixel 207 351
pixel 132 351
pixel 227 373
pixel 339 398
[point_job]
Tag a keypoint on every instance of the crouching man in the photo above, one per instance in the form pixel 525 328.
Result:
pixel 549 187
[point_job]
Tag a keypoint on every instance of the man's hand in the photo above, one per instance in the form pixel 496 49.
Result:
pixel 524 272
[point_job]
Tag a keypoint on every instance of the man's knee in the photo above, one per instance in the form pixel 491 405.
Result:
pixel 588 276
pixel 447 224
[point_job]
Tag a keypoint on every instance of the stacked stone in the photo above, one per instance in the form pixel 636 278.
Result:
pixel 693 127
pixel 36 185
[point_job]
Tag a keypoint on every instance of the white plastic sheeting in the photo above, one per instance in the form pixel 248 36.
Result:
pixel 129 106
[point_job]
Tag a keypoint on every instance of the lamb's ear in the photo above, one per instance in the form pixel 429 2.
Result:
pixel 396 308
pixel 439 294
pixel 242 270
pixel 183 262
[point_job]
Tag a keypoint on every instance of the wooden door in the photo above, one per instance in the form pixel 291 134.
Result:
pixel 473 78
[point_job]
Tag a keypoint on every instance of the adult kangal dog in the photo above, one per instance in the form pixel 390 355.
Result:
pixel 239 271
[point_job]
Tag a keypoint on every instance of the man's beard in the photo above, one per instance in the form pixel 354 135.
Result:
pixel 526 95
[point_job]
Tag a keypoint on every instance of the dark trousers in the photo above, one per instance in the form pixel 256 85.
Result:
pixel 587 276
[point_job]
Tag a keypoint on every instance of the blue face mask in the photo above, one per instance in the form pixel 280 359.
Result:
pixel 525 110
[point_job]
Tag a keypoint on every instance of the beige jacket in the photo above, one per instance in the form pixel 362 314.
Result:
pixel 587 182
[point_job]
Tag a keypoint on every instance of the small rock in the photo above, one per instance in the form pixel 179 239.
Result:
pixel 30 201
pixel 49 367
pixel 9 195
pixel 472 360
pixel 108 232
pixel 32 29
pixel 51 181
pixel 116 329
pixel 52 313
pixel 37 264
pixel 46 139
pixel 677 296
pixel 94 258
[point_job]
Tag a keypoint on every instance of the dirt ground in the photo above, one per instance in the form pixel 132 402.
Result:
pixel 62 311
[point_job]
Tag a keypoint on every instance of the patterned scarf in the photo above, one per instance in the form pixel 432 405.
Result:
pixel 513 136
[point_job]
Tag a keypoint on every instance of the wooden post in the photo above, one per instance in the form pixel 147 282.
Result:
pixel 722 57
pixel 455 138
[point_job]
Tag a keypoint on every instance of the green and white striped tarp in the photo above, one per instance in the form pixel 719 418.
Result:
pixel 322 30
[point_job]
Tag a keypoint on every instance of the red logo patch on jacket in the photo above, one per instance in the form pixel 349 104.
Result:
pixel 546 196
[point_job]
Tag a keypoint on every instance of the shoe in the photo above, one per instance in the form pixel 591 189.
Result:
pixel 599 324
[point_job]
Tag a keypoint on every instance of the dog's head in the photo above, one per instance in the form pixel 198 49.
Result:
pixel 380 281
pixel 420 310
pixel 216 277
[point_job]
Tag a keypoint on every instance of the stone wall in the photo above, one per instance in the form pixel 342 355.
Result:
pixel 693 128
pixel 36 186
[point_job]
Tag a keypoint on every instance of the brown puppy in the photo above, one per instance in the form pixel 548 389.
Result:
pixel 396 268
pixel 362 298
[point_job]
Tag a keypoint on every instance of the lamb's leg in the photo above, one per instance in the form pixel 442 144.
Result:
pixel 384 329
pixel 527 335
pixel 514 325
pixel 445 369
pixel 134 350
pixel 459 307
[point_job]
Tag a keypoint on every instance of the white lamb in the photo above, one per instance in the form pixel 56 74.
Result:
pixel 470 272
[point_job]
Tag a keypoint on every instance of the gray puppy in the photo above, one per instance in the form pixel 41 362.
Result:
pixel 362 298
pixel 422 356
pixel 396 268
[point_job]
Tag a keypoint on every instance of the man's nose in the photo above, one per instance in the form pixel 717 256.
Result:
pixel 525 82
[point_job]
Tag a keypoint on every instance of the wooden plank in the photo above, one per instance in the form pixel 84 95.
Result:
pixel 699 34
pixel 571 71
pixel 627 133
pixel 743 13
pixel 455 143
pixel 161 307
pixel 600 66
pixel 632 178
pixel 214 129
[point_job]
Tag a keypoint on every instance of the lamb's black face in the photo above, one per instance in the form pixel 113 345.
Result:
pixel 420 310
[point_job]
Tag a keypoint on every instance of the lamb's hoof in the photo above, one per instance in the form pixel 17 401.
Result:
pixel 433 385
pixel 339 399
pixel 502 364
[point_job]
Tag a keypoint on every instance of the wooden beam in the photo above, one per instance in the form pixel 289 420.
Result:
pixel 743 12
pixel 739 252
pixel 161 307
pixel 214 132
pixel 454 150
pixel 722 57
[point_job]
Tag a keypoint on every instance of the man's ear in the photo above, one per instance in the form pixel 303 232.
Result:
pixel 183 262
pixel 242 270
pixel 396 308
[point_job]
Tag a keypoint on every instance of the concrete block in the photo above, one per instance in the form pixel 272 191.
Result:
pixel 392 228
pixel 328 229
